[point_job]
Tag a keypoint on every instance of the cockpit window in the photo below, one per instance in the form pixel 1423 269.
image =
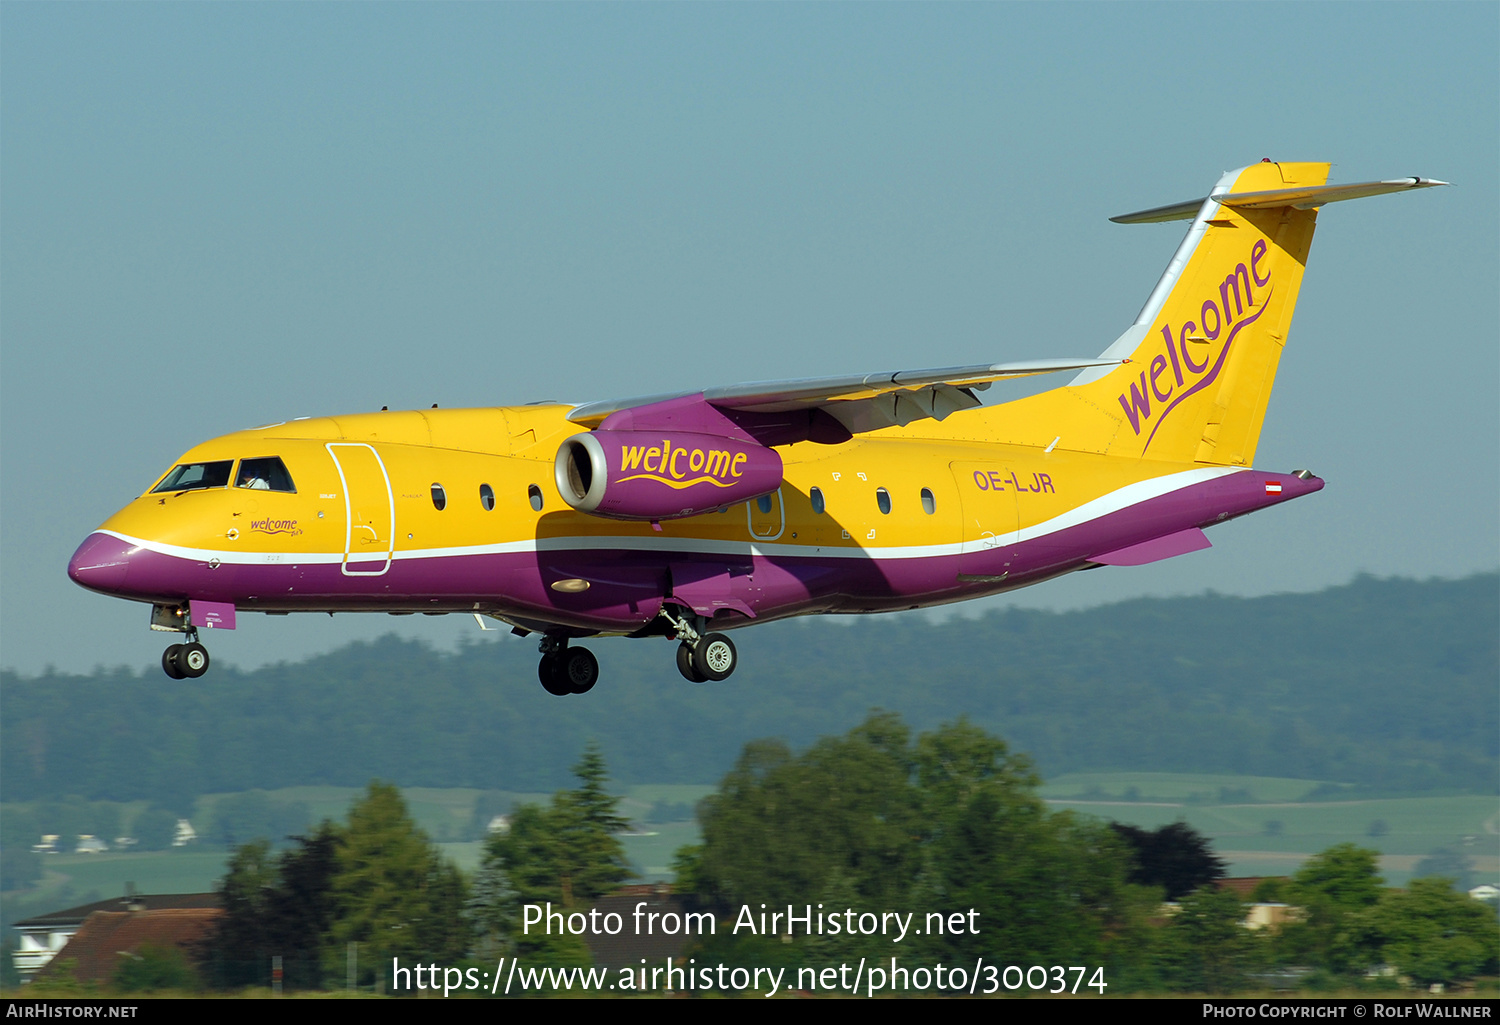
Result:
pixel 191 476
pixel 265 474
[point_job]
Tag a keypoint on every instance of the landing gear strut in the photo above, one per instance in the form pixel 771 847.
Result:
pixel 701 657
pixel 564 670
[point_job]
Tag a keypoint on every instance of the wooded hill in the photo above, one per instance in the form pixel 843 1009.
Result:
pixel 1386 684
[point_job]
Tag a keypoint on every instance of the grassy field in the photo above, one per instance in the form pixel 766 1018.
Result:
pixel 1262 826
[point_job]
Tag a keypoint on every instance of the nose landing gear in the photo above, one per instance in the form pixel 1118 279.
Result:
pixel 181 661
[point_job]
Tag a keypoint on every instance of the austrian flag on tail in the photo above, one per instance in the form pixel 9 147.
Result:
pixel 1273 487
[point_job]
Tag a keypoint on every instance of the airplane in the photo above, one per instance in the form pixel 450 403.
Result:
pixel 689 515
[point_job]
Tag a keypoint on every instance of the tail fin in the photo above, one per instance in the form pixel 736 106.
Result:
pixel 1201 357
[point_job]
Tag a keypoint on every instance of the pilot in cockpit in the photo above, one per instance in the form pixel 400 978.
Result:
pixel 266 474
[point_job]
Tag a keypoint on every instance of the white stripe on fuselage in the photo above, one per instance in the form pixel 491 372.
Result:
pixel 1115 501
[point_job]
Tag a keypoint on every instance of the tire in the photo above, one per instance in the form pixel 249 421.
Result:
pixel 169 663
pixel 685 665
pixel 551 679
pixel 193 660
pixel 579 669
pixel 714 657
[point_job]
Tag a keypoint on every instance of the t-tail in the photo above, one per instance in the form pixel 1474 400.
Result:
pixel 1201 357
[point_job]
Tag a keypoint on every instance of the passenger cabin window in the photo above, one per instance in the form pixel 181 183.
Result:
pixel 439 498
pixel 487 497
pixel 265 474
pixel 192 476
pixel 763 503
pixel 883 499
pixel 816 496
pixel 929 504
pixel 534 494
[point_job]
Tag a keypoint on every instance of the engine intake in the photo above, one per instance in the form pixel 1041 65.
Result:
pixel 652 475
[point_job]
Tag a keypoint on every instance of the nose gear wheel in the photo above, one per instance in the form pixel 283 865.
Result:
pixel 169 662
pixel 193 660
pixel 185 661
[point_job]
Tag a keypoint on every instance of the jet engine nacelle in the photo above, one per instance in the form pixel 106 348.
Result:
pixel 660 475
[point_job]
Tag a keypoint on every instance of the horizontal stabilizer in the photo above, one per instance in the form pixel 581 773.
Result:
pixel 1301 198
pixel 863 402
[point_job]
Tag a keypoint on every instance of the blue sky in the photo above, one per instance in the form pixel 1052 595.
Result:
pixel 214 216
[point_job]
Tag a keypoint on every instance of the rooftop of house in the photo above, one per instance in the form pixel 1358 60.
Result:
pixel 133 901
pixel 97 950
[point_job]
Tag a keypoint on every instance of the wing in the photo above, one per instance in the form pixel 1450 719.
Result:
pixel 861 402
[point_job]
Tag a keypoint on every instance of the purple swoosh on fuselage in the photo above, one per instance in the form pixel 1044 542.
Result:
pixel 627 587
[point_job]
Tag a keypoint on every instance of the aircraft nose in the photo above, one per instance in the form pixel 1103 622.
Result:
pixel 100 563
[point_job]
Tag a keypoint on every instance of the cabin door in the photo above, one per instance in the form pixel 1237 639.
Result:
pixel 990 520
pixel 369 510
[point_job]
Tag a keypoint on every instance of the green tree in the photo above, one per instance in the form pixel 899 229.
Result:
pixel 1332 888
pixel 1205 947
pixel 567 854
pixel 591 859
pixel 524 866
pixel 301 907
pixel 155 967
pixel 281 908
pixel 1344 876
pixel 1175 857
pixel 232 952
pixel 492 909
pixel 1048 886
pixel 843 815
pixel 392 892
pixel 1433 934
pixel 951 822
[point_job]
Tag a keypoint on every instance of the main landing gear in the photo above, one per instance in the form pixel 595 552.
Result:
pixel 185 661
pixel 565 670
pixel 701 657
